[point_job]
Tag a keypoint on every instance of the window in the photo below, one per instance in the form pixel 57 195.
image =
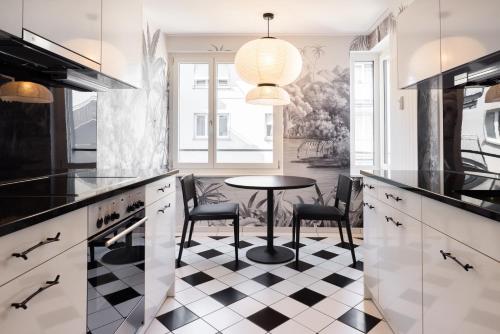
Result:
pixel 81 114
pixel 228 132
pixel 200 126
pixel 200 76
pixel 385 107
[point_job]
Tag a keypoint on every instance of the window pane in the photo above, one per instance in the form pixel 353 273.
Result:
pixel 223 125
pixel 363 113
pixel 269 125
pixel 193 105
pixel 81 114
pixel 247 139
pixel 386 111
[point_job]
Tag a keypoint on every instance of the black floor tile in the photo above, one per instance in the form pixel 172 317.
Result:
pixel 358 265
pixel 291 245
pixel 268 279
pixel 218 237
pixel 301 266
pixel 93 265
pixel 180 265
pixel 345 245
pixel 357 319
pixel 210 253
pixel 338 280
pixel 177 318
pixel 121 296
pixel 316 238
pixel 228 296
pixel 193 243
pixel 307 297
pixel 197 278
pixel 243 244
pixel 103 279
pixel 140 265
pixel 235 266
pixel 268 319
pixel 265 238
pixel 325 254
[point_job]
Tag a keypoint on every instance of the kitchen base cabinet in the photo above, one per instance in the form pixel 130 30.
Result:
pixel 458 299
pixel 60 308
pixel 371 242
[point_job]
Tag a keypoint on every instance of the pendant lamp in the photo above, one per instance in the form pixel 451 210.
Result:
pixel 25 92
pixel 268 63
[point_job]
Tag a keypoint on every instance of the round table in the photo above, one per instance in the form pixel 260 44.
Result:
pixel 270 254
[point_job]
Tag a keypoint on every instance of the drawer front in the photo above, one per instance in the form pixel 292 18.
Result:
pixel 403 200
pixel 473 230
pixel 71 228
pixel 370 187
pixel 59 309
pixel 160 254
pixel 159 189
pixel 372 226
pixel 456 300
pixel 400 271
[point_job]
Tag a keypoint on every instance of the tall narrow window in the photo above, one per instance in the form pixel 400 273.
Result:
pixel 200 126
pixel 223 125
pixel 269 126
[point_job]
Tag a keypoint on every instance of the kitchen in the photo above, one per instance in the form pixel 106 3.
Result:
pixel 194 167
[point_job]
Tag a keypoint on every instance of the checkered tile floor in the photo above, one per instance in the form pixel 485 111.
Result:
pixel 323 295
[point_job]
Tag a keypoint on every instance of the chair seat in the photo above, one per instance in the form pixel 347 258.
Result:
pixel 318 212
pixel 214 211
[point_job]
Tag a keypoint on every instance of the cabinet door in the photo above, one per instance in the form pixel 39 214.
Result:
pixel 400 271
pixel 122 40
pixel 372 223
pixel 11 16
pixel 160 253
pixel 418 40
pixel 456 300
pixel 469 30
pixel 60 309
pixel 73 24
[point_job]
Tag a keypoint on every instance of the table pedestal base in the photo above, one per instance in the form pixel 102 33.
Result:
pixel 277 254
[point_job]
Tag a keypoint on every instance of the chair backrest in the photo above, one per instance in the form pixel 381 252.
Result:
pixel 188 192
pixel 344 189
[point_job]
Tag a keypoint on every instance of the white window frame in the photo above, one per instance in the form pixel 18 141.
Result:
pixel 356 56
pixel 212 167
pixel 385 128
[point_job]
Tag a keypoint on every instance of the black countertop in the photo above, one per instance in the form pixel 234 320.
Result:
pixel 31 201
pixel 477 193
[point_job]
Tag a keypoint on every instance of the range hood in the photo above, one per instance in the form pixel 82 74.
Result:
pixel 35 57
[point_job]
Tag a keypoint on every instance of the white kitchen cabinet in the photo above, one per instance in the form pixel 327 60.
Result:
pixel 72 24
pixel 373 218
pixel 70 229
pixel 59 309
pixel 469 30
pixel 418 42
pixel 400 271
pixel 370 187
pixel 160 254
pixel 159 189
pixel 122 40
pixel 456 300
pixel 11 17
pixel 405 201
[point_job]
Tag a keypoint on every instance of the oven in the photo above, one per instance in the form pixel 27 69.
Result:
pixel 115 266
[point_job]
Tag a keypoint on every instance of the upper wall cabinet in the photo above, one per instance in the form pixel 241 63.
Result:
pixel 11 14
pixel 73 24
pixel 418 40
pixel 470 30
pixel 122 40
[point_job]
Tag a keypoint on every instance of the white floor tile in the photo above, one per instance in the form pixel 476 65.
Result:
pixel 338 327
pixel 185 271
pixel 189 295
pixel 181 285
pixel 204 306
pixel 211 287
pixel 244 327
pixel 251 271
pixel 289 307
pixel 325 288
pixel 204 265
pixel 302 279
pixel 347 297
pixel 351 273
pixel 313 319
pixel 284 272
pixel 356 287
pixel 221 259
pixel 233 279
pixel 249 287
pixel 218 271
pixel 291 327
pixel 286 287
pixel 369 307
pixel 318 272
pixel 268 296
pixel 314 260
pixel 157 327
pixel 168 305
pixel 197 326
pixel 223 318
pixel 381 328
pixel 193 258
pixel 331 307
pixel 247 306
pixel 331 266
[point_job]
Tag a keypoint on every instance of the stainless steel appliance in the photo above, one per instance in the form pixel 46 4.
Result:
pixel 115 264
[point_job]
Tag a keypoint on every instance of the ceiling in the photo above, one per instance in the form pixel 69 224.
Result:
pixel 301 17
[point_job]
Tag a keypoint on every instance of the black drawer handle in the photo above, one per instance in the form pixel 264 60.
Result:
pixel 390 219
pixel 162 189
pixel 41 243
pixel 448 255
pixel 369 186
pixel 24 303
pixel 164 208
pixel 368 205
pixel 396 198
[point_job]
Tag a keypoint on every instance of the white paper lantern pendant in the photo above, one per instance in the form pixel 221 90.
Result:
pixel 269 63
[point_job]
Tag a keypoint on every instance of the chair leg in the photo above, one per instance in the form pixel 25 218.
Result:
pixel 293 229
pixel 339 223
pixel 191 233
pixel 183 239
pixel 236 224
pixel 297 240
pixel 351 243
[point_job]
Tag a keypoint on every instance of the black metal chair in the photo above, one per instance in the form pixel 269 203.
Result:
pixel 322 212
pixel 221 211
